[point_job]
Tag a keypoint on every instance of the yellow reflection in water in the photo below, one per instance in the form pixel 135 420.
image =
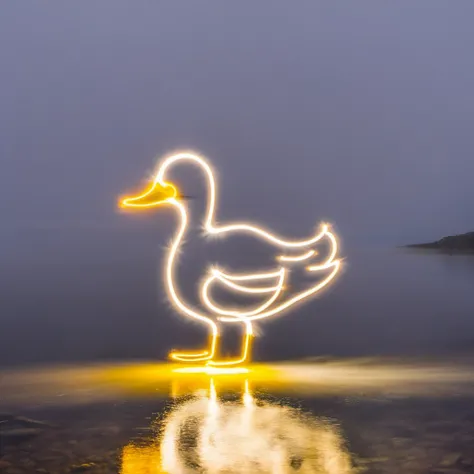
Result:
pixel 141 460
pixel 212 435
pixel 108 382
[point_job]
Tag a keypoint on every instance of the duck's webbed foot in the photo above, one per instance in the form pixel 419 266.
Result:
pixel 191 356
pixel 198 356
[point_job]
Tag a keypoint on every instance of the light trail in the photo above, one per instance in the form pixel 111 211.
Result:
pixel 297 258
pixel 162 191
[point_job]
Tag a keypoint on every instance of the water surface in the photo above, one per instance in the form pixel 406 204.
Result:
pixel 98 295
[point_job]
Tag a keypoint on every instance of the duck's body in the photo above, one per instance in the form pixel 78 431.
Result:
pixel 271 286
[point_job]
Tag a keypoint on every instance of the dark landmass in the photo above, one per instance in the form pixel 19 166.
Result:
pixel 463 243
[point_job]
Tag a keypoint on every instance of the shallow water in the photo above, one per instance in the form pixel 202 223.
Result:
pixel 328 417
pixel 343 413
pixel 101 303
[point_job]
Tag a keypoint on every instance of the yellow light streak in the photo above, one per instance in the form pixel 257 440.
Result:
pixel 162 191
pixel 209 370
pixel 97 383
pixel 158 194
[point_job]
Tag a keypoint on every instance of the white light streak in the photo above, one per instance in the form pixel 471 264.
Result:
pixel 163 191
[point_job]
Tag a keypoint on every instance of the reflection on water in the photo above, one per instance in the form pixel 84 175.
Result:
pixel 377 376
pixel 213 435
pixel 398 416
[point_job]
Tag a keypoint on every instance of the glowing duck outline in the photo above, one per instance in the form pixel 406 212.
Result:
pixel 163 192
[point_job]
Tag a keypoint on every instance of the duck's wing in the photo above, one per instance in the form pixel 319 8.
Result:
pixel 318 271
pixel 266 287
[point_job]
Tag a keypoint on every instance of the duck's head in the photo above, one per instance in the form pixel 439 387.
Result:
pixel 157 194
pixel 161 190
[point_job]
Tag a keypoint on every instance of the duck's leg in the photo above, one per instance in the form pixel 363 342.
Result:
pixel 246 349
pixel 197 356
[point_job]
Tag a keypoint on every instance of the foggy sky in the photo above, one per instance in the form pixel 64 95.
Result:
pixel 360 113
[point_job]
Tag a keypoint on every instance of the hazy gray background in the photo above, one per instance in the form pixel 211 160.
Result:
pixel 360 113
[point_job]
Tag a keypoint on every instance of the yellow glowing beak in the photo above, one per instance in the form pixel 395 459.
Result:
pixel 157 194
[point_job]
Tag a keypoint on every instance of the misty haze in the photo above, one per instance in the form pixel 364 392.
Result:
pixel 356 113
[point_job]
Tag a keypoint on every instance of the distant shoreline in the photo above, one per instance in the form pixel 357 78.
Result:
pixel 452 244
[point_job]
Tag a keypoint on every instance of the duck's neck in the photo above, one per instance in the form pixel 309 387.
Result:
pixel 183 227
pixel 170 273
pixel 175 246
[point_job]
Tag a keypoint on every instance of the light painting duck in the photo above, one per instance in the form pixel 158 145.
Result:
pixel 272 285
